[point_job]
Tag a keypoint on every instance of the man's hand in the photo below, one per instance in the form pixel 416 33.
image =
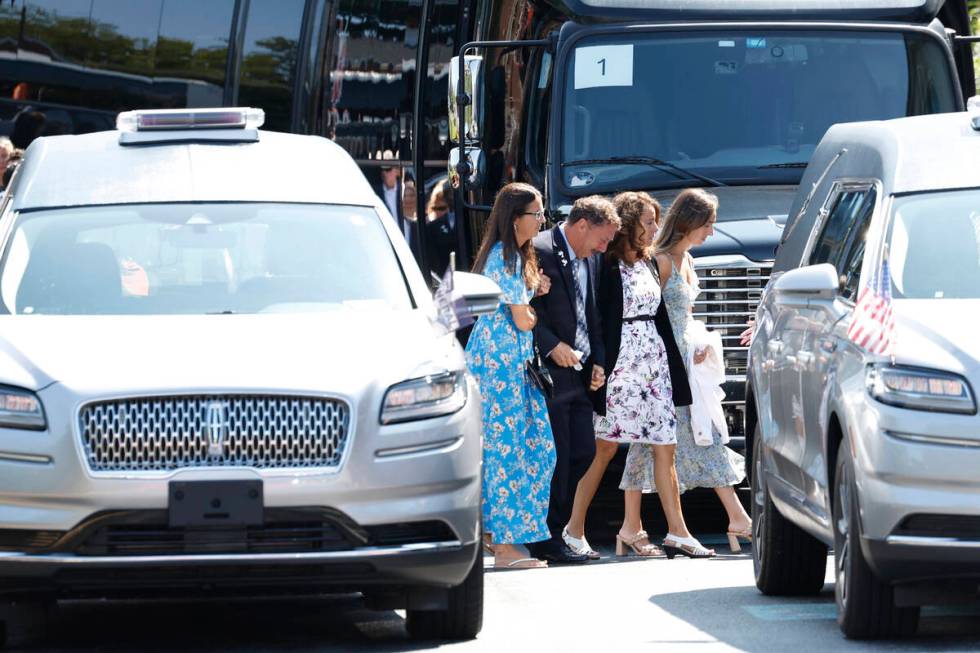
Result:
pixel 745 338
pixel 544 284
pixel 563 356
pixel 598 378
pixel 700 355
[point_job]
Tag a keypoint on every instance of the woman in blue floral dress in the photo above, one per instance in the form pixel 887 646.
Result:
pixel 518 446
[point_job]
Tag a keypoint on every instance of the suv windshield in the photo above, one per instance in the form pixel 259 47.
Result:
pixel 738 107
pixel 934 245
pixel 158 259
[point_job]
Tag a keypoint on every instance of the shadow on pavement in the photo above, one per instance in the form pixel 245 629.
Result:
pixel 743 618
pixel 316 624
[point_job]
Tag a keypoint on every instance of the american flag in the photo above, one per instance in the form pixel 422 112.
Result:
pixel 873 324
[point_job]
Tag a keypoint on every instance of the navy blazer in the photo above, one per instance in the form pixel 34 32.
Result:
pixel 611 313
pixel 556 314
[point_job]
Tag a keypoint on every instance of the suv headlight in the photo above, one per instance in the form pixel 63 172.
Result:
pixel 920 389
pixel 430 396
pixel 21 409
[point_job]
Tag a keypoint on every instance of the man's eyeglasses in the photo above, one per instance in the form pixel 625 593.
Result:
pixel 440 208
pixel 538 215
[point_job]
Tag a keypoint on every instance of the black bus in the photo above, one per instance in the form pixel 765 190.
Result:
pixel 345 69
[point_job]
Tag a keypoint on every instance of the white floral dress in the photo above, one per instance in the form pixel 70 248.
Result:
pixel 639 407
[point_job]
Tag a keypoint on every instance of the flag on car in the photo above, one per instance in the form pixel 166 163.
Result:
pixel 873 324
pixel 443 298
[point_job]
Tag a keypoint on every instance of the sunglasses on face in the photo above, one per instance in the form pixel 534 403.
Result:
pixel 440 208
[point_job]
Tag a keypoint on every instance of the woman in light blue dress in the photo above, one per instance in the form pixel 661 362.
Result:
pixel 518 446
pixel 689 222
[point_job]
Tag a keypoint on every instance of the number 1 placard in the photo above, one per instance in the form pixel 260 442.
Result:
pixel 603 65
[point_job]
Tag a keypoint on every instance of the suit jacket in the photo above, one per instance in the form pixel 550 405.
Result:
pixel 440 240
pixel 611 314
pixel 399 215
pixel 556 314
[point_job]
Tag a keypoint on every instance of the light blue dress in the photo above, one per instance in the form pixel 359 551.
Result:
pixel 518 446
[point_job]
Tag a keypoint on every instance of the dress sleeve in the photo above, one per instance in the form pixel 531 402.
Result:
pixel 511 281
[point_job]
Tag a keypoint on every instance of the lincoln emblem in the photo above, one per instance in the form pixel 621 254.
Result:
pixel 216 427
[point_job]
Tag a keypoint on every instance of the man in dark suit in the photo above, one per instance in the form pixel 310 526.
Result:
pixel 392 192
pixel 440 229
pixel 568 336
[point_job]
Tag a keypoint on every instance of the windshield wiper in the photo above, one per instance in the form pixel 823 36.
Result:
pixel 677 171
pixel 794 164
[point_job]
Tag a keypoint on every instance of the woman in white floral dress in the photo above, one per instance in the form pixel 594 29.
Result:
pixel 636 406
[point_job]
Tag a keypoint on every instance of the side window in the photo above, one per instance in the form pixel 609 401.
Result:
pixel 537 123
pixel 850 265
pixel 836 227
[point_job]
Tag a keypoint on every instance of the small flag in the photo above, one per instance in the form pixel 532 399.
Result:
pixel 873 324
pixel 446 308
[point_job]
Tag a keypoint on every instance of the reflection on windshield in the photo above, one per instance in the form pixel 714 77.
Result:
pixel 198 258
pixel 735 107
pixel 934 246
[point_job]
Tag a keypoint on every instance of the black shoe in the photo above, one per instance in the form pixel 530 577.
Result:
pixel 559 554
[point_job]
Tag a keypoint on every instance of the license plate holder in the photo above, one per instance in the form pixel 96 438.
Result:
pixel 215 503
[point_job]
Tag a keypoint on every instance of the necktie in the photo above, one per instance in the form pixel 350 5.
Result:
pixel 581 325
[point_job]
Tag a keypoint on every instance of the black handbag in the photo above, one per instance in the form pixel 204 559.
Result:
pixel 539 376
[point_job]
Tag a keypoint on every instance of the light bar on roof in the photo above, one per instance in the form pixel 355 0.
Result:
pixel 174 119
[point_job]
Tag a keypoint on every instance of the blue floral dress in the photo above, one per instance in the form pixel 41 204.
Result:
pixel 518 446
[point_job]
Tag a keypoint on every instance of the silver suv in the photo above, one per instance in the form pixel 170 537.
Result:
pixel 222 370
pixel 873 455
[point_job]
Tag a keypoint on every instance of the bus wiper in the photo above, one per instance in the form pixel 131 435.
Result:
pixel 677 171
pixel 772 166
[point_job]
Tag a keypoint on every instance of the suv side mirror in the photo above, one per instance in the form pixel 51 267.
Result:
pixel 802 286
pixel 474 295
pixel 470 87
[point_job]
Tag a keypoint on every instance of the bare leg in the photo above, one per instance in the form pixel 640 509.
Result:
pixel 665 476
pixel 738 520
pixel 588 484
pixel 632 521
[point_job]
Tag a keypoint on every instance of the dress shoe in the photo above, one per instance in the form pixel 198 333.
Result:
pixel 559 554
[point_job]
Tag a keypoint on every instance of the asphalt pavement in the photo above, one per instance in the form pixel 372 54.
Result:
pixel 619 605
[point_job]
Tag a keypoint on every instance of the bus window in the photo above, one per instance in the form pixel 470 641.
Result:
pixel 192 49
pixel 269 59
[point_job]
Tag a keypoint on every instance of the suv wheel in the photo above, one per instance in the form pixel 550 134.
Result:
pixel 865 605
pixel 786 559
pixel 463 618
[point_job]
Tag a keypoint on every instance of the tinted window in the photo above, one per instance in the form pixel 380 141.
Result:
pixel 371 85
pixel 844 214
pixel 198 258
pixel 192 50
pixel 269 59
pixel 850 265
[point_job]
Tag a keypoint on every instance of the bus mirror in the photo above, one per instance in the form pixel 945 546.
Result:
pixel 473 169
pixel 469 92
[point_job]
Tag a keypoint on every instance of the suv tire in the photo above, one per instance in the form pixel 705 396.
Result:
pixel 787 560
pixel 463 618
pixel 865 605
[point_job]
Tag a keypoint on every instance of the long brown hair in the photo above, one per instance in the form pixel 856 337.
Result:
pixel 630 207
pixel 507 208
pixel 691 210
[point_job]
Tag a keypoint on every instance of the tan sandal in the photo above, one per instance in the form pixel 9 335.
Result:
pixel 735 536
pixel 632 542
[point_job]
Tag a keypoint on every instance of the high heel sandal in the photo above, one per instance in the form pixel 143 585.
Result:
pixel 631 542
pixel 734 536
pixel 579 544
pixel 687 546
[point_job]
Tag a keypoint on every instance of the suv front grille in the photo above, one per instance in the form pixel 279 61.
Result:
pixel 730 295
pixel 163 434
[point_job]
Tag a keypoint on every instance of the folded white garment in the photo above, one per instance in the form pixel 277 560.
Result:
pixel 706 379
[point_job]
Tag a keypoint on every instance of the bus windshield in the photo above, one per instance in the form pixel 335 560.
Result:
pixel 667 109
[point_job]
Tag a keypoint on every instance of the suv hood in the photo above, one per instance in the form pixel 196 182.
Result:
pixel 938 334
pixel 340 351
